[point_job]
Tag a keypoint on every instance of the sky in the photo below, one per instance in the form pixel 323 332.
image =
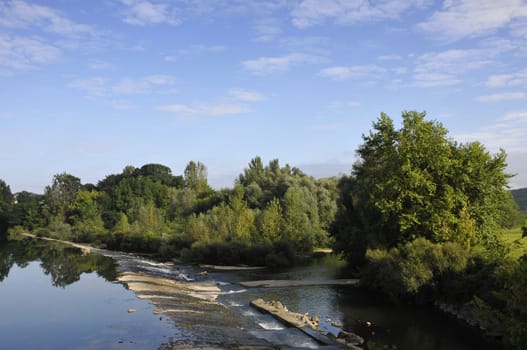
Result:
pixel 89 87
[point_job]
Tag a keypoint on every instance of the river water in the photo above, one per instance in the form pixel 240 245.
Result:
pixel 52 297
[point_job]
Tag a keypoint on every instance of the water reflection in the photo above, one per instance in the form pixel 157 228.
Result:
pixel 54 298
pixel 63 263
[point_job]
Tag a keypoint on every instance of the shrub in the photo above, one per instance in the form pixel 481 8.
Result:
pixel 416 267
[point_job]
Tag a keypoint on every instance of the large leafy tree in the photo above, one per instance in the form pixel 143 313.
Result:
pixel 61 194
pixel 416 182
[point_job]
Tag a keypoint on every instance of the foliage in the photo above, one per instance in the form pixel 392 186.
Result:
pixel 416 182
pixel 6 199
pixel 61 194
pixel 416 267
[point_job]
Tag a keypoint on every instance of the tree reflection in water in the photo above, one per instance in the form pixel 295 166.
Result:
pixel 63 263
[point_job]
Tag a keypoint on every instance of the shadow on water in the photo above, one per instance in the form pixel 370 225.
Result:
pixel 383 324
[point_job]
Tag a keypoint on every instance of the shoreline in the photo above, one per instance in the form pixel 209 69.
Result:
pixel 86 249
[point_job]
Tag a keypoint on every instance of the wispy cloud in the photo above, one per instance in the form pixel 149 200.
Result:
pixel 99 86
pixel 435 79
pixel 21 53
pixel 369 71
pixel 95 86
pixel 311 12
pixel 511 79
pixel 20 14
pixel 198 110
pixel 389 58
pixel 460 19
pixel 142 12
pixel 269 65
pixel 144 85
pixel 508 132
pixel 504 96
pixel 445 68
pixel 122 104
pixel 237 101
pixel 267 29
pixel 246 95
pixel 195 50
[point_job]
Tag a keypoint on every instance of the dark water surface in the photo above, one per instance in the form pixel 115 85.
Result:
pixel 52 297
pixel 391 326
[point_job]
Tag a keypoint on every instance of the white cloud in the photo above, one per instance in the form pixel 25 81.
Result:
pixel 25 53
pixel 445 68
pixel 389 58
pixel 121 104
pixel 516 116
pixel 370 71
pixel 505 96
pixel 269 65
pixel 96 86
pixel 20 14
pixel 435 79
pixel 195 50
pixel 206 110
pixel 311 12
pixel 508 133
pixel 246 95
pixel 99 86
pixel 101 65
pixel 512 79
pixel 267 29
pixel 460 19
pixel 142 12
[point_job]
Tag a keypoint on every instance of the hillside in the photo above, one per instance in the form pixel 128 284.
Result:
pixel 520 196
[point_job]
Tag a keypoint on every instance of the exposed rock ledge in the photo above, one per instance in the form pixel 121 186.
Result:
pixel 299 283
pixel 308 324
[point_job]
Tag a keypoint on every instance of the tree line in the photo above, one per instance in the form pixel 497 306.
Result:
pixel 273 215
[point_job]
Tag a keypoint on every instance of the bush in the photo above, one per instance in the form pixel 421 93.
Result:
pixel 238 253
pixel 413 269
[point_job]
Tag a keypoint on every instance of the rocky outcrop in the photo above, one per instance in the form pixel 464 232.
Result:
pixel 308 324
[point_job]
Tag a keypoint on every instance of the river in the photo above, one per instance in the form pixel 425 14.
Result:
pixel 53 297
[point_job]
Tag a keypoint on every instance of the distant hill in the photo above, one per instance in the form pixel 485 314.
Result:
pixel 520 196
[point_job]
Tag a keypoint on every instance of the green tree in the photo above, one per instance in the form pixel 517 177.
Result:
pixel 297 227
pixel 195 177
pixel 61 194
pixel 84 214
pixel 28 210
pixel 122 225
pixel 270 221
pixel 417 182
pixel 6 201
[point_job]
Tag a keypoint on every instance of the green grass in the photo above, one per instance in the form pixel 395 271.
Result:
pixel 518 244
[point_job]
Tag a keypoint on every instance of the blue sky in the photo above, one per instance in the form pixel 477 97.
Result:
pixel 88 87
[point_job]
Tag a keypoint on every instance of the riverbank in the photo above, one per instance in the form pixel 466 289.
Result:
pixel 85 249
